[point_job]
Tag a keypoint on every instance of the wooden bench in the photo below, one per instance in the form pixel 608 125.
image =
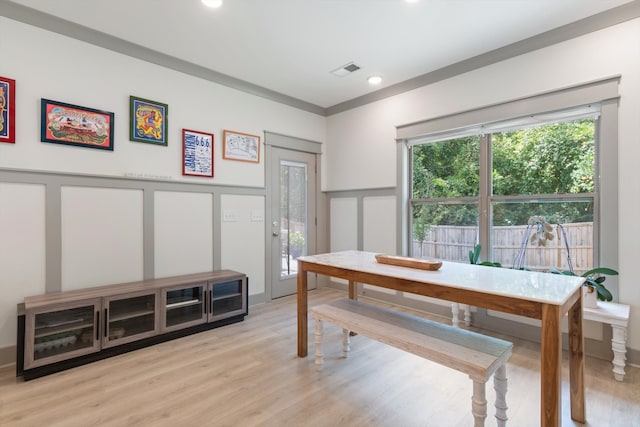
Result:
pixel 476 355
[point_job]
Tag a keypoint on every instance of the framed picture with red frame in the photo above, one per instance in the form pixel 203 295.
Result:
pixel 197 153
pixel 7 110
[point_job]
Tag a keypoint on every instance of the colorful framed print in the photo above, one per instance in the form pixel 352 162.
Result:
pixel 197 153
pixel 241 146
pixel 69 124
pixel 7 110
pixel 148 121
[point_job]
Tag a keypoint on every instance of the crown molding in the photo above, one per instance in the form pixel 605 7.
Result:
pixel 61 26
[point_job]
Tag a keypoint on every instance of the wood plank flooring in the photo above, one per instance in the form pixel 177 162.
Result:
pixel 248 374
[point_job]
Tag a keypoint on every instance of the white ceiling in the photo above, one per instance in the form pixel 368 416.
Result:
pixel 290 46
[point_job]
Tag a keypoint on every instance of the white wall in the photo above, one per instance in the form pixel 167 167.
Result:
pixel 360 149
pixel 102 228
pixel 52 66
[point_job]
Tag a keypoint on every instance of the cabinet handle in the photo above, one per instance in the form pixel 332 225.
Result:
pixel 106 323
pixel 97 325
pixel 204 302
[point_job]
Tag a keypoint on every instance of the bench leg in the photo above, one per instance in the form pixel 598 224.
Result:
pixel 467 314
pixel 455 310
pixel 478 404
pixel 346 342
pixel 500 385
pixel 318 342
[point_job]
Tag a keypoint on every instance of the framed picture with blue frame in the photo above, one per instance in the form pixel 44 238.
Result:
pixel 148 121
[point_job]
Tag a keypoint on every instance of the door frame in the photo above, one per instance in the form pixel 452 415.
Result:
pixel 274 140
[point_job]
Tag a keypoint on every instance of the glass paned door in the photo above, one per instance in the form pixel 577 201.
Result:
pixel 129 318
pixel 293 182
pixel 63 333
pixel 293 215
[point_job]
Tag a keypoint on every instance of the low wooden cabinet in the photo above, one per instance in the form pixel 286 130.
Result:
pixel 66 329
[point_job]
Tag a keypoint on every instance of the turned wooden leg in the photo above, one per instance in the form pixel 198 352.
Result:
pixel 318 342
pixel 619 347
pixel 455 309
pixel 467 314
pixel 478 404
pixel 500 385
pixel 346 342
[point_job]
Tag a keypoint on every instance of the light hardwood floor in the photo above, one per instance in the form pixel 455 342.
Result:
pixel 248 374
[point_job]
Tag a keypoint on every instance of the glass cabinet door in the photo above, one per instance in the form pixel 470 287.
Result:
pixel 228 299
pixel 129 317
pixel 183 306
pixel 63 332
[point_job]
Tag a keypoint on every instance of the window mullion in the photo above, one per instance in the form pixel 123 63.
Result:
pixel 484 219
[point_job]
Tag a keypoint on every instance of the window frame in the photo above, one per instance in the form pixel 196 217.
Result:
pixel 602 92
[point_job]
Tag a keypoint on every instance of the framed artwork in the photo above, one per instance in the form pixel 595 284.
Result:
pixel 241 146
pixel 7 110
pixel 148 121
pixel 197 153
pixel 69 124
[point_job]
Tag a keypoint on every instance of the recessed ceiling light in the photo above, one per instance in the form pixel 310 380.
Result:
pixel 374 80
pixel 412 1
pixel 212 3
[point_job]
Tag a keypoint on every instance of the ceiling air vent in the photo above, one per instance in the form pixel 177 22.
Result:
pixel 345 69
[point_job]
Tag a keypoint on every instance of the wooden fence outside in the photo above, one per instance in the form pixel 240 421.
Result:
pixel 453 243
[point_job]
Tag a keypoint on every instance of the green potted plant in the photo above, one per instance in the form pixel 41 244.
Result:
pixel 594 281
pixel 540 231
pixel 296 244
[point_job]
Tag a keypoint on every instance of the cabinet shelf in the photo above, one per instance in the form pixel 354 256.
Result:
pixel 60 350
pixel 227 296
pixel 177 303
pixel 117 317
pixel 44 331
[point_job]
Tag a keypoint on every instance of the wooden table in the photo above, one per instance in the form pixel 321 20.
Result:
pixel 543 296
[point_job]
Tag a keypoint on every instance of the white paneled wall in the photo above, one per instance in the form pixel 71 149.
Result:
pixel 101 236
pixel 243 241
pixel 344 224
pixel 183 233
pixel 343 234
pixel 379 229
pixel 379 224
pixel 22 251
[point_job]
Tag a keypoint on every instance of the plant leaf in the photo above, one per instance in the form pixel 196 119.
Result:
pixel 600 270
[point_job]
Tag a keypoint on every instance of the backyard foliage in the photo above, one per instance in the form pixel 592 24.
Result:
pixel 547 160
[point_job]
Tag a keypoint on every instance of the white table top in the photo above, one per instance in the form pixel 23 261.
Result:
pixel 547 288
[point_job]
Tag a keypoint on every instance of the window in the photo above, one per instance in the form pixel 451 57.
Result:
pixel 484 188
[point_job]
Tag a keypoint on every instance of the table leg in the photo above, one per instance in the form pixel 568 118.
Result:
pixel 619 348
pixel 353 290
pixel 550 367
pixel 302 311
pixel 576 363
